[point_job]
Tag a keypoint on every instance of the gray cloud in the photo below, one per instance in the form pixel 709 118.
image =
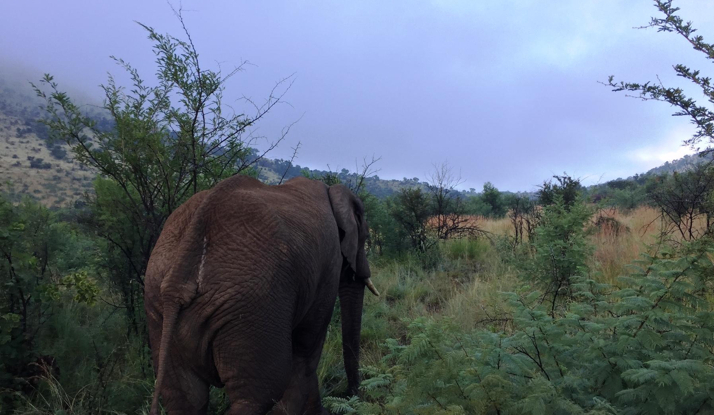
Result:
pixel 505 91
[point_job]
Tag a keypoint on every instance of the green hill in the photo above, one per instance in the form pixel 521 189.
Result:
pixel 686 163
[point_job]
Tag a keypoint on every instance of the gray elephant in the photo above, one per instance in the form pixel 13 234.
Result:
pixel 240 289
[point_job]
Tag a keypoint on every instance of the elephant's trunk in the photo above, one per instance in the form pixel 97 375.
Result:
pixel 351 297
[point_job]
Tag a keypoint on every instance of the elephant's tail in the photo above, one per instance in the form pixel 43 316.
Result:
pixel 171 312
pixel 179 288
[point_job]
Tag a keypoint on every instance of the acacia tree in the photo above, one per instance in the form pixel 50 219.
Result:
pixel 684 197
pixel 566 187
pixel 164 143
pixel 701 116
pixel 493 198
pixel 686 200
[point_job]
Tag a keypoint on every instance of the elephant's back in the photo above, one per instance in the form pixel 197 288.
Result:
pixel 255 250
pixel 270 222
pixel 269 240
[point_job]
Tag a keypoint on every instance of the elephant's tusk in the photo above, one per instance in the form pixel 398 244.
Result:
pixel 368 283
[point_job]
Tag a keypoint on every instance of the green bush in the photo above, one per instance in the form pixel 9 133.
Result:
pixel 643 346
pixel 565 188
pixel 561 249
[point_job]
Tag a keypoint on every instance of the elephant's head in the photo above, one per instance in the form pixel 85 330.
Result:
pixel 349 215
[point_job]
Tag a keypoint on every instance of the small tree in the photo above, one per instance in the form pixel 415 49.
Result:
pixel 410 209
pixel 525 217
pixel 492 197
pixel 382 227
pixel 686 201
pixel 561 249
pixel 449 217
pixel 565 187
pixel 166 143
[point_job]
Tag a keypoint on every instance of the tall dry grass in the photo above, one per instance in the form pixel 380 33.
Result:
pixel 616 247
pixel 501 226
pixel 642 229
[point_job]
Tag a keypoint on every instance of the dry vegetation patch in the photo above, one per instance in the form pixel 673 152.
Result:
pixel 27 167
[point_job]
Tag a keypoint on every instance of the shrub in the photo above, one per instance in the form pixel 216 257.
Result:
pixel 561 250
pixel 39 163
pixel 641 347
pixel 565 187
pixel 410 209
pixel 58 152
pixel 472 249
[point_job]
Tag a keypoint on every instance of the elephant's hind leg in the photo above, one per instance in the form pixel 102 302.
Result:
pixel 184 392
pixel 247 407
pixel 253 359
pixel 303 394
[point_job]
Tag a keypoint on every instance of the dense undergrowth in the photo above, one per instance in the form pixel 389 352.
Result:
pixel 640 343
pixel 582 319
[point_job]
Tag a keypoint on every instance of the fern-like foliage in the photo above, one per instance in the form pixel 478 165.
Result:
pixel 642 346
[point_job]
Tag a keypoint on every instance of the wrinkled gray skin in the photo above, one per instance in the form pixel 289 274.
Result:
pixel 240 290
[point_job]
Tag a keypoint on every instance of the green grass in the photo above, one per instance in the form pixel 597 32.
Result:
pixel 463 288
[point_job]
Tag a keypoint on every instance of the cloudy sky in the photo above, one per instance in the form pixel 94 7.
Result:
pixel 503 90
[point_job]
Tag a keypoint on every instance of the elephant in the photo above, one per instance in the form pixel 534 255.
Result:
pixel 240 289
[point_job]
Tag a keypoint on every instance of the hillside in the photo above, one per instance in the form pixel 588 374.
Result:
pixel 32 165
pixel 29 163
pixel 686 163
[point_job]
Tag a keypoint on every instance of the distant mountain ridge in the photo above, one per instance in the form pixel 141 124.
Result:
pixel 271 171
pixel 32 165
pixel 681 165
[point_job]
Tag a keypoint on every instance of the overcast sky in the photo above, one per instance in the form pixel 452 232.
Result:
pixel 504 90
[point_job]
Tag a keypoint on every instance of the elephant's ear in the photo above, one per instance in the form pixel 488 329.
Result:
pixel 348 214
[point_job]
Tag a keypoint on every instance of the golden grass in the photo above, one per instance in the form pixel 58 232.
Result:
pixel 616 248
pixel 467 285
pixel 501 226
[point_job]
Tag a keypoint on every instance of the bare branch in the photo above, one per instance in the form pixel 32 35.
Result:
pixel 290 163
